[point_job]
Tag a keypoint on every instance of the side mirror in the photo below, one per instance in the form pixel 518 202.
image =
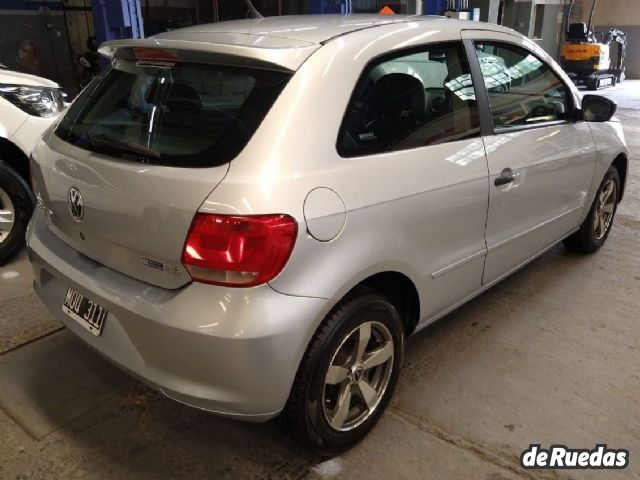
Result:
pixel 597 109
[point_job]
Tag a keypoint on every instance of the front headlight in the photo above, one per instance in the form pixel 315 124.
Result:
pixel 38 101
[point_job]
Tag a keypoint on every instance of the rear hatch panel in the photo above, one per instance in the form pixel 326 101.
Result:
pixel 136 217
pixel 142 147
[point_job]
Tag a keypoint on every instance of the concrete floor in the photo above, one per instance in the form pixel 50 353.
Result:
pixel 550 355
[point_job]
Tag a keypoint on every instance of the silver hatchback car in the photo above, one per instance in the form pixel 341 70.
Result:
pixel 252 216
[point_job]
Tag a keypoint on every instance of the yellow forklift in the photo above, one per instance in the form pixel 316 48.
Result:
pixel 586 56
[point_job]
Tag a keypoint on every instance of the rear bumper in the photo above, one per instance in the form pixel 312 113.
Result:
pixel 234 352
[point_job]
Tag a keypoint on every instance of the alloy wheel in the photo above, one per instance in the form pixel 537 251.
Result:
pixel 605 207
pixel 7 216
pixel 358 376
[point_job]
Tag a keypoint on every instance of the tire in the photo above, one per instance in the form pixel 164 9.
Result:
pixel 312 403
pixel 16 196
pixel 591 236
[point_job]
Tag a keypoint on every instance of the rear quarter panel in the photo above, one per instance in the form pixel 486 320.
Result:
pixel 396 202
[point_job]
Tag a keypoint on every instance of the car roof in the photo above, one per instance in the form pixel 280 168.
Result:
pixel 303 28
pixel 284 41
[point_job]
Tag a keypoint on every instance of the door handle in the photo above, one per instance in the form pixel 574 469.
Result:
pixel 507 176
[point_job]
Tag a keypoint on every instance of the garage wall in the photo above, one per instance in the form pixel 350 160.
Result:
pixel 613 12
pixel 624 14
pixel 79 19
pixel 551 33
pixel 34 39
pixel 540 20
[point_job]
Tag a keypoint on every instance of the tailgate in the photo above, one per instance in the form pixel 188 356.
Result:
pixel 140 149
pixel 135 218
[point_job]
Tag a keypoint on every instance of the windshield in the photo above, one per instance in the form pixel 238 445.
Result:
pixel 171 113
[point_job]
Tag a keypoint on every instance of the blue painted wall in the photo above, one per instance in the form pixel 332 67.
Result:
pixel 433 7
pixel 429 7
pixel 117 19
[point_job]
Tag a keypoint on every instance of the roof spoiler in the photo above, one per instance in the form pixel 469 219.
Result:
pixel 283 59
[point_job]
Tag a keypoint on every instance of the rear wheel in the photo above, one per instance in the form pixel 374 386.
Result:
pixel 347 375
pixel 596 227
pixel 16 207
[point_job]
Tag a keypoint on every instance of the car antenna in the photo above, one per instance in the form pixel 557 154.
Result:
pixel 253 13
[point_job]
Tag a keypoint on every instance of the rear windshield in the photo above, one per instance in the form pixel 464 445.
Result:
pixel 175 114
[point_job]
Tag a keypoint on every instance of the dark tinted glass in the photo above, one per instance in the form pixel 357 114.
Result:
pixel 177 114
pixel 522 89
pixel 411 100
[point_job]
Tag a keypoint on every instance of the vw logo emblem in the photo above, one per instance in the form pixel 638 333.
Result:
pixel 76 204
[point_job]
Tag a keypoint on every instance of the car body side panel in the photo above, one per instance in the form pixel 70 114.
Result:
pixel 434 236
pixel 553 167
pixel 609 143
pixel 421 212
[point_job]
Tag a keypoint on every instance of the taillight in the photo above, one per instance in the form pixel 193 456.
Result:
pixel 239 251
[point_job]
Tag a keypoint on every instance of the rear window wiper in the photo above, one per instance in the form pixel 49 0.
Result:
pixel 100 139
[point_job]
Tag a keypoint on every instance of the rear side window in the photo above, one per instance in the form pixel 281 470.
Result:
pixel 409 100
pixel 175 114
pixel 522 89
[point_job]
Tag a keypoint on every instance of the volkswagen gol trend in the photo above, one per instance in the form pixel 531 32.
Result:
pixel 252 216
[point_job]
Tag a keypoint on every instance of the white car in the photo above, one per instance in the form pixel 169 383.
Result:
pixel 28 106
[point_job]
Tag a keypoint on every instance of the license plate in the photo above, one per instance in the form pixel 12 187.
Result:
pixel 84 311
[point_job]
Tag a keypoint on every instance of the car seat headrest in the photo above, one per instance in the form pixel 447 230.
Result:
pixel 183 98
pixel 398 93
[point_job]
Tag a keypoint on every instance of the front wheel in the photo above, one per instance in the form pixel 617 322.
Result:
pixel 596 227
pixel 16 207
pixel 347 375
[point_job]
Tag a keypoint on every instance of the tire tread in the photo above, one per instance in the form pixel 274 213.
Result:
pixel 583 241
pixel 293 418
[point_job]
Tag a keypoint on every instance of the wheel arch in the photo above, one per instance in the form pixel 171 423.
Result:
pixel 621 164
pixel 15 158
pixel 400 290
